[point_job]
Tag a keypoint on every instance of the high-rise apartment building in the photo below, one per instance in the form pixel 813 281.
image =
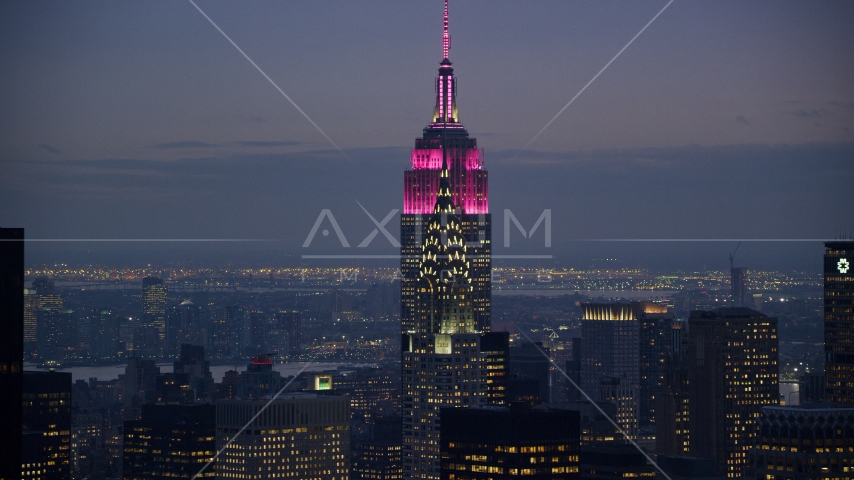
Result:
pixel 839 323
pixel 726 373
pixel 445 287
pixel 46 422
pixel 299 435
pixel 170 441
pixel 11 345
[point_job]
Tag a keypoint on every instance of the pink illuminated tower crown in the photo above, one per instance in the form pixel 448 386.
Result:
pixel 468 178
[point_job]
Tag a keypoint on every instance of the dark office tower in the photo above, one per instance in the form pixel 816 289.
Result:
pixel 378 458
pixel 445 137
pixel 104 336
pixel 46 422
pixel 292 323
pixel 170 441
pixel 613 462
pixel 237 330
pixel 839 323
pixel 139 386
pixel 672 415
pixel 153 311
pixel 811 388
pixel 298 436
pixel 259 379
pixel 611 348
pixel 738 283
pixel 655 344
pixel 185 323
pixel 43 286
pixel 509 442
pixel 496 346
pixel 11 346
pixel 527 361
pixel 573 371
pixel 195 370
pixel 259 330
pixel 57 331
pixel 803 442
pixel 218 335
pixel 731 361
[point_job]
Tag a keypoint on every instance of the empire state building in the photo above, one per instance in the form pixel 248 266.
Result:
pixel 448 357
pixel 444 137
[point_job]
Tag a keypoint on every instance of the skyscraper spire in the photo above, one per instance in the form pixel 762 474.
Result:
pixel 446 85
pixel 446 38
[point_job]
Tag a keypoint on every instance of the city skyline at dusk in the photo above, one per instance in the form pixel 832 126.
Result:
pixel 619 247
pixel 730 121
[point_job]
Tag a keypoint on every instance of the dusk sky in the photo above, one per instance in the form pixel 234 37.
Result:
pixel 724 119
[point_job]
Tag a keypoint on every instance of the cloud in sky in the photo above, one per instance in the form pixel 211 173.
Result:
pixel 48 148
pixel 184 144
pixel 267 143
pixel 809 113
pixel 165 130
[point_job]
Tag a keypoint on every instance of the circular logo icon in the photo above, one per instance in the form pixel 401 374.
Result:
pixel 842 265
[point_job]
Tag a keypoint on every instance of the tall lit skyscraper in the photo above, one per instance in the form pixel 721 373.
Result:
pixel 726 374
pixel 839 323
pixel 445 289
pixel 11 345
pixel 153 312
pixel 616 354
pixel 445 137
